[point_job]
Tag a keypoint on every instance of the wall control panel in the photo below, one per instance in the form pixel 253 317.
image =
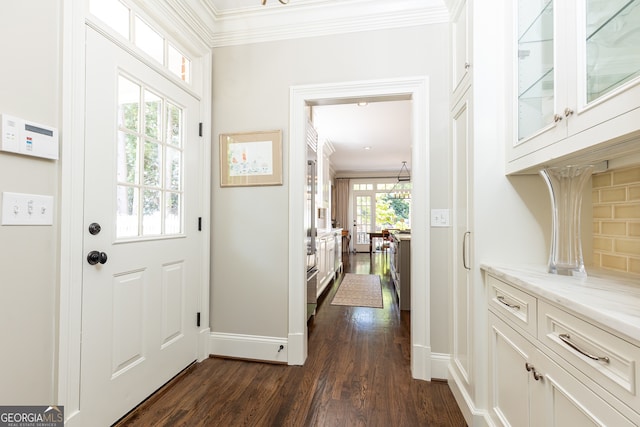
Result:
pixel 24 137
pixel 26 209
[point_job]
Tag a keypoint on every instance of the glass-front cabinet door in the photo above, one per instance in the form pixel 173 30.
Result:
pixel 612 45
pixel 606 83
pixel 576 77
pixel 536 69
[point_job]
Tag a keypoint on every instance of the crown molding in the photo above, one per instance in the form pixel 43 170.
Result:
pixel 328 147
pixel 200 23
pixel 312 18
pixel 186 22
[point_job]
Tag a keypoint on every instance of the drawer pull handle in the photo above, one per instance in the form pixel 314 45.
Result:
pixel 566 338
pixel 502 300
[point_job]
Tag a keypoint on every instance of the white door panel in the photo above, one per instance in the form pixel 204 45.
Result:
pixel 142 177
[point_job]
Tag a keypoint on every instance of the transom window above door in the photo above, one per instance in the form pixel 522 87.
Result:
pixel 149 163
pixel 122 19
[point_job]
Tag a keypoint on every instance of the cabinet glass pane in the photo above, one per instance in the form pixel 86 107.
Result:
pixel 535 66
pixel 613 45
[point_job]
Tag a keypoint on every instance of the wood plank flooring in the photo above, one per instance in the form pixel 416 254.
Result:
pixel 357 374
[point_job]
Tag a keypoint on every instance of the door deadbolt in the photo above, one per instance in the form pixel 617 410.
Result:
pixel 94 228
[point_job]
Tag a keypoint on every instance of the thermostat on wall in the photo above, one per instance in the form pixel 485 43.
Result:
pixel 28 138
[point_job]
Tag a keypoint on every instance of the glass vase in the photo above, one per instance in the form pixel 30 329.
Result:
pixel 566 185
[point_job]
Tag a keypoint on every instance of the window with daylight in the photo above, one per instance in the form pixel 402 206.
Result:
pixel 149 163
pixel 120 17
pixel 381 206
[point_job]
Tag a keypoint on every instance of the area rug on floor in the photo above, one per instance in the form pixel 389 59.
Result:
pixel 359 290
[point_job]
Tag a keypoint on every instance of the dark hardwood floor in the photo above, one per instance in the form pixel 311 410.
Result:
pixel 357 374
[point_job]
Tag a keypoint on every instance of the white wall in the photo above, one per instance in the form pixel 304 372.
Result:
pixel 251 92
pixel 29 88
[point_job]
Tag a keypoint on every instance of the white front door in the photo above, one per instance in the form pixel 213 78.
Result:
pixel 142 203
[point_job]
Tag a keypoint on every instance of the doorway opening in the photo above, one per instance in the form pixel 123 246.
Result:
pixel 302 97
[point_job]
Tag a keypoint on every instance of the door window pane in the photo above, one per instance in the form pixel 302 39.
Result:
pixel 151 214
pixel 152 164
pixel 174 128
pixel 128 166
pixel 128 104
pixel 127 205
pixel 173 169
pixel 152 114
pixel 173 214
pixel 149 176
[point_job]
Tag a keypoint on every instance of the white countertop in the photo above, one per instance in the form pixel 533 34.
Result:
pixel 321 232
pixel 401 236
pixel 612 301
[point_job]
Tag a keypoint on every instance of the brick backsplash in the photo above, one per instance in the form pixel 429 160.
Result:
pixel 616 220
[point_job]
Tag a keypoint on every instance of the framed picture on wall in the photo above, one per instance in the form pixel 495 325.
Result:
pixel 251 158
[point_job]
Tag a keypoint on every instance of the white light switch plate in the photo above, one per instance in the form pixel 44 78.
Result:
pixel 439 217
pixel 26 209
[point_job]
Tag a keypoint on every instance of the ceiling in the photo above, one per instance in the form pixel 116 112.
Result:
pixel 371 138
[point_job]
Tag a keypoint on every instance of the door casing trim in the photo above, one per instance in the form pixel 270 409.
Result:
pixel 416 89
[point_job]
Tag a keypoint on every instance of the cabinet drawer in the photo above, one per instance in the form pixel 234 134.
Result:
pixel 514 305
pixel 607 359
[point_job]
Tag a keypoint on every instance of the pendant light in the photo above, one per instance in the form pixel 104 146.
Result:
pixel 407 176
pixel 403 176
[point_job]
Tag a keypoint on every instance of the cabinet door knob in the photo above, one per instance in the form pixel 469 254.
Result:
pixel 567 112
pixel 557 118
pixel 467 65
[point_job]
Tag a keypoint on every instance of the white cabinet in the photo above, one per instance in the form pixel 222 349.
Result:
pixel 576 79
pixel 534 379
pixel 327 265
pixel 322 263
pixel 509 399
pixel 463 307
pixel 461 48
pixel 529 389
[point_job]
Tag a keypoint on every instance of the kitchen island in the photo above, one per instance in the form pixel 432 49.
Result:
pixel 400 247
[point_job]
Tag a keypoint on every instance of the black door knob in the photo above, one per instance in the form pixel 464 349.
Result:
pixel 95 257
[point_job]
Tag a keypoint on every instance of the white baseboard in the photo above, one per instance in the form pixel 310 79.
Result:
pixel 421 363
pixel 472 415
pixel 248 347
pixel 203 344
pixel 440 366
pixel 297 353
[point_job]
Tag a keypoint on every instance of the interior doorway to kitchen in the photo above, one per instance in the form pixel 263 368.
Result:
pixel 302 97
